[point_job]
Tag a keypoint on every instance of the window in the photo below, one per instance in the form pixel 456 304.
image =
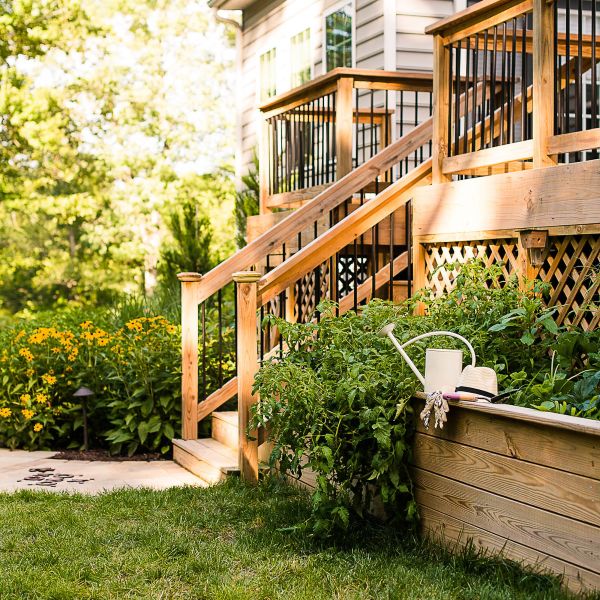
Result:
pixel 300 58
pixel 338 38
pixel 268 74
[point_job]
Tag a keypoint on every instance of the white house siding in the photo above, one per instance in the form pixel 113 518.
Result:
pixel 269 23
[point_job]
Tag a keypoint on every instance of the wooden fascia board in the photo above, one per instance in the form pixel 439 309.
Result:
pixel 562 195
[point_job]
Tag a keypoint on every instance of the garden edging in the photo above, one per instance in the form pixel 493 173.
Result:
pixel 517 481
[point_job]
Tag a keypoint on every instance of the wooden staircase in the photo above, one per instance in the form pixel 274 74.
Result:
pixel 215 458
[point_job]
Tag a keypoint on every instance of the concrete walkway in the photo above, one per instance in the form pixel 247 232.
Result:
pixel 95 476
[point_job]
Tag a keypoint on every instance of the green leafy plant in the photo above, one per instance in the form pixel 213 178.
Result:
pixel 337 404
pixel 338 400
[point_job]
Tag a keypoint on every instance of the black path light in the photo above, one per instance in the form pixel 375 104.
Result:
pixel 84 393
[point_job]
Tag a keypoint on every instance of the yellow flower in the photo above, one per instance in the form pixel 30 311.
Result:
pixel 29 372
pixel 171 329
pixel 68 369
pixel 26 354
pixel 5 412
pixel 19 335
pixel 49 379
pixel 85 325
pixel 102 341
pixel 24 398
pixel 72 357
pixel 38 427
pixel 56 350
pixel 41 398
pixel 28 414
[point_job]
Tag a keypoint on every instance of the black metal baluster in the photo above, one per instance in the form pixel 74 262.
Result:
pixel 457 99
pixel 451 50
pixel 372 122
pixel 220 319
pixel 513 83
pixel 579 81
pixel 409 270
pixel 391 283
pixel 484 112
pixel 567 127
pixel 356 129
pixel 595 107
pixel 466 110
pixel 524 86
pixel 493 85
pixel 475 94
pixel 503 88
pixel 204 395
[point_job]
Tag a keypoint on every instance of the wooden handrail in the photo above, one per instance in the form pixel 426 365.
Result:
pixel 319 86
pixel 478 13
pixel 303 217
pixel 350 228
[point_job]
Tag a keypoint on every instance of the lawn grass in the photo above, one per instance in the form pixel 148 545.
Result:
pixel 226 542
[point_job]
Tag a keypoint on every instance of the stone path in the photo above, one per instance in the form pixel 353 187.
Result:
pixel 87 477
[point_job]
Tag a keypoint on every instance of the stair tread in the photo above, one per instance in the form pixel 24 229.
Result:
pixel 229 416
pixel 212 452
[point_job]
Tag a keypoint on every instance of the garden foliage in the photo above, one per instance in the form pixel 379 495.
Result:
pixel 338 401
pixel 134 370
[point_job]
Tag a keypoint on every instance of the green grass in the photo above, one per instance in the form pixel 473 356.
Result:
pixel 226 542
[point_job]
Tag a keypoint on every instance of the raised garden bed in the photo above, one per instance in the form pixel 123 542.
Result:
pixel 515 481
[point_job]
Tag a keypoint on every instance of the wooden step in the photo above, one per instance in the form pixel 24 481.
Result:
pixel 206 458
pixel 225 428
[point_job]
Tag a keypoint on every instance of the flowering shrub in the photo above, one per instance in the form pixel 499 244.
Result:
pixel 134 371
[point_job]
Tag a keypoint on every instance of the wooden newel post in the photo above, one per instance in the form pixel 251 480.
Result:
pixel 247 360
pixel 190 292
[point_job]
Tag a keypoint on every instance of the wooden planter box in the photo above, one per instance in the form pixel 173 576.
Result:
pixel 515 481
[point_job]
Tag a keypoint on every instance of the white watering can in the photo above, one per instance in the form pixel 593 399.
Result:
pixel 443 367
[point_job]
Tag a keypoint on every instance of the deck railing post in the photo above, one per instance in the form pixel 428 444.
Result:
pixel 344 126
pixel 264 165
pixel 543 81
pixel 247 353
pixel 441 90
pixel 190 292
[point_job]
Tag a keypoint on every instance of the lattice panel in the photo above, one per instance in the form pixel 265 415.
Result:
pixel 572 268
pixel 305 292
pixel 443 260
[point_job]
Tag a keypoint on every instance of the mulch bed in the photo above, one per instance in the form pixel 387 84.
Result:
pixel 104 455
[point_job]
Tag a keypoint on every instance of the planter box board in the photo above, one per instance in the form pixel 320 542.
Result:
pixel 515 481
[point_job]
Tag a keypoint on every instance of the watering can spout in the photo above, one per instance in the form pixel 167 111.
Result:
pixel 384 331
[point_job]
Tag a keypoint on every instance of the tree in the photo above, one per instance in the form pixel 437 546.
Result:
pixel 104 131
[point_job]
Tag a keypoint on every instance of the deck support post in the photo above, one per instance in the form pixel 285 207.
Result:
pixel 190 293
pixel 343 126
pixel 543 81
pixel 247 361
pixel 264 161
pixel 441 91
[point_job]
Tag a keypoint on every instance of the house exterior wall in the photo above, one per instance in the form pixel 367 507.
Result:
pixel 388 34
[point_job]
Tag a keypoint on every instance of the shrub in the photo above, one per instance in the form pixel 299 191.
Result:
pixel 338 402
pixel 134 370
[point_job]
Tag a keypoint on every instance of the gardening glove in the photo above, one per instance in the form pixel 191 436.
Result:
pixel 437 404
pixel 441 409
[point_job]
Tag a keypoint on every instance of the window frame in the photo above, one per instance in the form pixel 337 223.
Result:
pixel 311 62
pixel 266 50
pixel 335 8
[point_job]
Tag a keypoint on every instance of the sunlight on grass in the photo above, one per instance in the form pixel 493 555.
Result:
pixel 225 542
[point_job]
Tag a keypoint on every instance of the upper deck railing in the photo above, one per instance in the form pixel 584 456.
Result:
pixel 530 72
pixel 316 133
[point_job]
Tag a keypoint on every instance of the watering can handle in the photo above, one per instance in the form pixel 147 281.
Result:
pixel 387 331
